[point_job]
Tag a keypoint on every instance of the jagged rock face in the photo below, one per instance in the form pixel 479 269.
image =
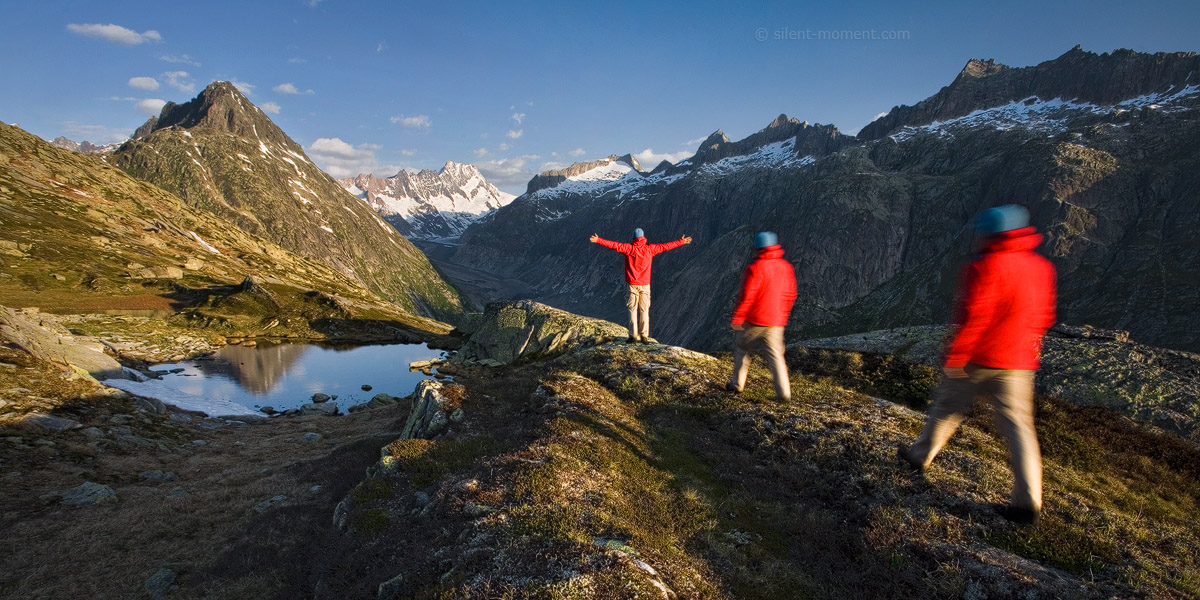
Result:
pixel 51 342
pixel 608 168
pixel 879 229
pixel 429 204
pixel 1078 75
pixel 222 154
pixel 510 331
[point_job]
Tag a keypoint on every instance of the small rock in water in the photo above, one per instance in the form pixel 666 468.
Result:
pixel 366 388
pixel 268 410
pixel 328 409
pixel 249 344
pixel 319 398
pixel 89 493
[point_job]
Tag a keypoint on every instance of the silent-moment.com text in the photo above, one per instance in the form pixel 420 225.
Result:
pixel 763 34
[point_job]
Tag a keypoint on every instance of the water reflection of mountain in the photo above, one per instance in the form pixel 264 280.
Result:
pixel 257 370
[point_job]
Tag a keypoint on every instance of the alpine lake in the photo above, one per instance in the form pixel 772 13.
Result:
pixel 287 375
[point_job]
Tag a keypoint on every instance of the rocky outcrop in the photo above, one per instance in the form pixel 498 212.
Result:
pixel 811 140
pixel 512 331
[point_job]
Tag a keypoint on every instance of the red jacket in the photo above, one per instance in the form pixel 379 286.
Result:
pixel 1006 304
pixel 638 257
pixel 768 290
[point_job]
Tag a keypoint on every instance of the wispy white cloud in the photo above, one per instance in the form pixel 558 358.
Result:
pixel 650 159
pixel 509 172
pixel 577 152
pixel 480 153
pixel 341 159
pixel 553 165
pixel 297 60
pixel 181 81
pixel 518 117
pixel 381 47
pixel 503 147
pixel 143 83
pixel 420 122
pixel 115 33
pixel 514 134
pixel 181 60
pixel 290 88
pixel 151 106
pixel 408 152
pixel 243 87
pixel 270 107
pixel 97 134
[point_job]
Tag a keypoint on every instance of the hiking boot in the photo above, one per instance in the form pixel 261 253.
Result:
pixel 631 340
pixel 1018 514
pixel 648 340
pixel 732 387
pixel 902 454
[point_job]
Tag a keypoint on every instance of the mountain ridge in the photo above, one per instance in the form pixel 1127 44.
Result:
pixel 220 153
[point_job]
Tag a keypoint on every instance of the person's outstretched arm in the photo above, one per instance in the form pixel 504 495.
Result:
pixel 618 246
pixel 659 248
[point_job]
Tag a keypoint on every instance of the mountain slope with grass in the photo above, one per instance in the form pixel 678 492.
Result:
pixel 223 155
pixel 77 235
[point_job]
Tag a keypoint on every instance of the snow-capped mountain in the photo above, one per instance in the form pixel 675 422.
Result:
pixel 85 147
pixel 430 204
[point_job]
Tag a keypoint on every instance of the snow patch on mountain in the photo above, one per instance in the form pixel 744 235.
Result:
pixel 1047 116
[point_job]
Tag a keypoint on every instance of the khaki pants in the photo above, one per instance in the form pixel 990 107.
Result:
pixel 768 343
pixel 639 308
pixel 1011 394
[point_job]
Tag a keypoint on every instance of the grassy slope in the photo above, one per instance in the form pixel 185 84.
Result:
pixel 75 233
pixel 569 473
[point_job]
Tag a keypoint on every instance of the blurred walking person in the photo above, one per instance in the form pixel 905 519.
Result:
pixel 638 257
pixel 1006 303
pixel 764 302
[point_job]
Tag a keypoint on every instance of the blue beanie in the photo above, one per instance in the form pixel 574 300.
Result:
pixel 764 239
pixel 1001 219
pixel 637 233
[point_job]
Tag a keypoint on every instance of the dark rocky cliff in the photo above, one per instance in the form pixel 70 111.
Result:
pixel 878 228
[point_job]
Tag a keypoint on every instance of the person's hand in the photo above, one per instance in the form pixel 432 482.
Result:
pixel 738 327
pixel 593 238
pixel 686 239
pixel 954 372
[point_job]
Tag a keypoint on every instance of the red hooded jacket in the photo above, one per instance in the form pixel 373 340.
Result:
pixel 638 257
pixel 1006 304
pixel 768 290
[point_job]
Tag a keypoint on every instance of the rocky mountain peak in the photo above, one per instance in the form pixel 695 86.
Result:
pixel 1078 75
pixel 982 68
pixel 553 177
pixel 813 140
pixel 220 107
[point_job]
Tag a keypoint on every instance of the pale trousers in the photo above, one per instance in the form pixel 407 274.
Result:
pixel 639 310
pixel 768 343
pixel 1011 394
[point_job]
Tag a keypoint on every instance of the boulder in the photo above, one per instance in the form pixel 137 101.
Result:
pixel 511 331
pixel 89 493
pixel 328 409
pixel 42 337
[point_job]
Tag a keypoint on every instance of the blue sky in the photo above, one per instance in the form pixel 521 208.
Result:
pixel 519 87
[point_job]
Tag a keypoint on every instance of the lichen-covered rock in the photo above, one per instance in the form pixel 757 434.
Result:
pixel 511 331
pixel 47 340
pixel 429 413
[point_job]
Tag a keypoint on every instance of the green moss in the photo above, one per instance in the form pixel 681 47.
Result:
pixel 426 462
pixel 372 520
pixel 372 489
